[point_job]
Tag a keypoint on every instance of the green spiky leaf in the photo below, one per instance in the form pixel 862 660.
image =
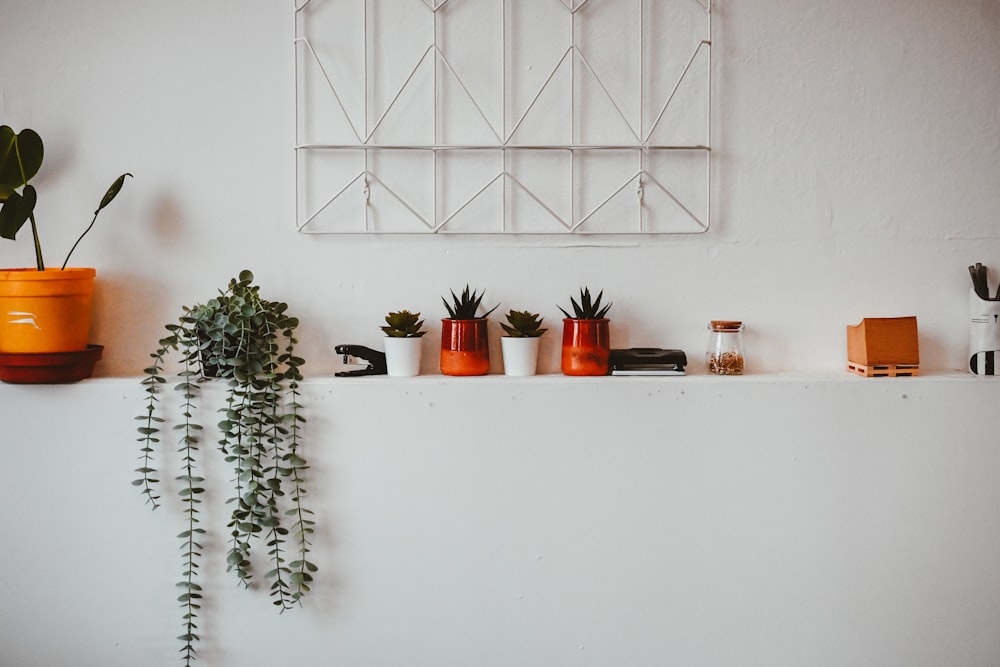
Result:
pixel 587 308
pixel 466 306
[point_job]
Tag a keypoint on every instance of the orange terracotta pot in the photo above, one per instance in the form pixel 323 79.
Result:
pixel 465 348
pixel 45 311
pixel 586 347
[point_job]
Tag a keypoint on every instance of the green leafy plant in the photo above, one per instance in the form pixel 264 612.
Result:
pixel 587 309
pixel 20 159
pixel 248 342
pixel 465 307
pixel 403 324
pixel 523 324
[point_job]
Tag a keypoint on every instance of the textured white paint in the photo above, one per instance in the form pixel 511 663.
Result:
pixel 856 176
pixel 703 523
pixel 595 521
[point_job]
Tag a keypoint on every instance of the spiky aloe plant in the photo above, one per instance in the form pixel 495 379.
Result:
pixel 523 324
pixel 587 309
pixel 465 307
pixel 403 324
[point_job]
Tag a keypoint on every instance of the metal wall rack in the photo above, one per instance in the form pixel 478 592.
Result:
pixel 503 116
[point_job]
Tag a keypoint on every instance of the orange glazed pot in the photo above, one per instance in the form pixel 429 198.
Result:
pixel 586 346
pixel 45 311
pixel 465 348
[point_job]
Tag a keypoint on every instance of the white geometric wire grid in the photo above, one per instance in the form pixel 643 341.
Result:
pixel 503 116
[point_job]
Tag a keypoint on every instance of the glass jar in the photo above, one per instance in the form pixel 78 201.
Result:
pixel 725 347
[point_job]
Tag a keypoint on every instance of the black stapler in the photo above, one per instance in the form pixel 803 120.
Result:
pixel 375 359
pixel 647 361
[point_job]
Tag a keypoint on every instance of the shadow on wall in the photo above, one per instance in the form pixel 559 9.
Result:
pixel 123 301
pixel 120 325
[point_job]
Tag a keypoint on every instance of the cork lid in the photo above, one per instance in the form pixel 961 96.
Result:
pixel 726 325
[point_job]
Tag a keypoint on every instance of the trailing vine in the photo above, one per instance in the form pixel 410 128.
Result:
pixel 248 342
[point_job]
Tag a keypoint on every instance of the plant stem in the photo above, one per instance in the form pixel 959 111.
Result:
pixel 238 557
pixel 39 262
pixel 281 586
pixel 188 493
pixel 150 430
pixel 89 227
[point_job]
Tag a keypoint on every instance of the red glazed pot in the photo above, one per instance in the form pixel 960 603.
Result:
pixel 465 347
pixel 586 347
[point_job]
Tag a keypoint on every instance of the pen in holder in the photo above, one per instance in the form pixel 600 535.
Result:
pixel 984 335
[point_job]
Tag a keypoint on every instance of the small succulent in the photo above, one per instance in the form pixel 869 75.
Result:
pixel 587 309
pixel 403 324
pixel 465 307
pixel 523 324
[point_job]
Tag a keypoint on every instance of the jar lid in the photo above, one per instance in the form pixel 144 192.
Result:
pixel 726 325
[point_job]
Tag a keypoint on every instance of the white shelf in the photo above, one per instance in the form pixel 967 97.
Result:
pixel 549 379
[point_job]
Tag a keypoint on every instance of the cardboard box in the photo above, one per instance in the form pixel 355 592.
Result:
pixel 881 341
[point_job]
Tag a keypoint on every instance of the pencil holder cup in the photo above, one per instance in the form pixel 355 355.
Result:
pixel 984 335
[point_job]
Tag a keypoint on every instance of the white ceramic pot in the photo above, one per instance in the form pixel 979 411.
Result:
pixel 520 355
pixel 402 356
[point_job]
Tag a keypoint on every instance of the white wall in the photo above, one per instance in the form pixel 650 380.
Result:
pixel 857 149
pixel 857 146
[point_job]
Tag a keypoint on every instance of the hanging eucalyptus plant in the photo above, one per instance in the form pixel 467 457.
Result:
pixel 247 342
